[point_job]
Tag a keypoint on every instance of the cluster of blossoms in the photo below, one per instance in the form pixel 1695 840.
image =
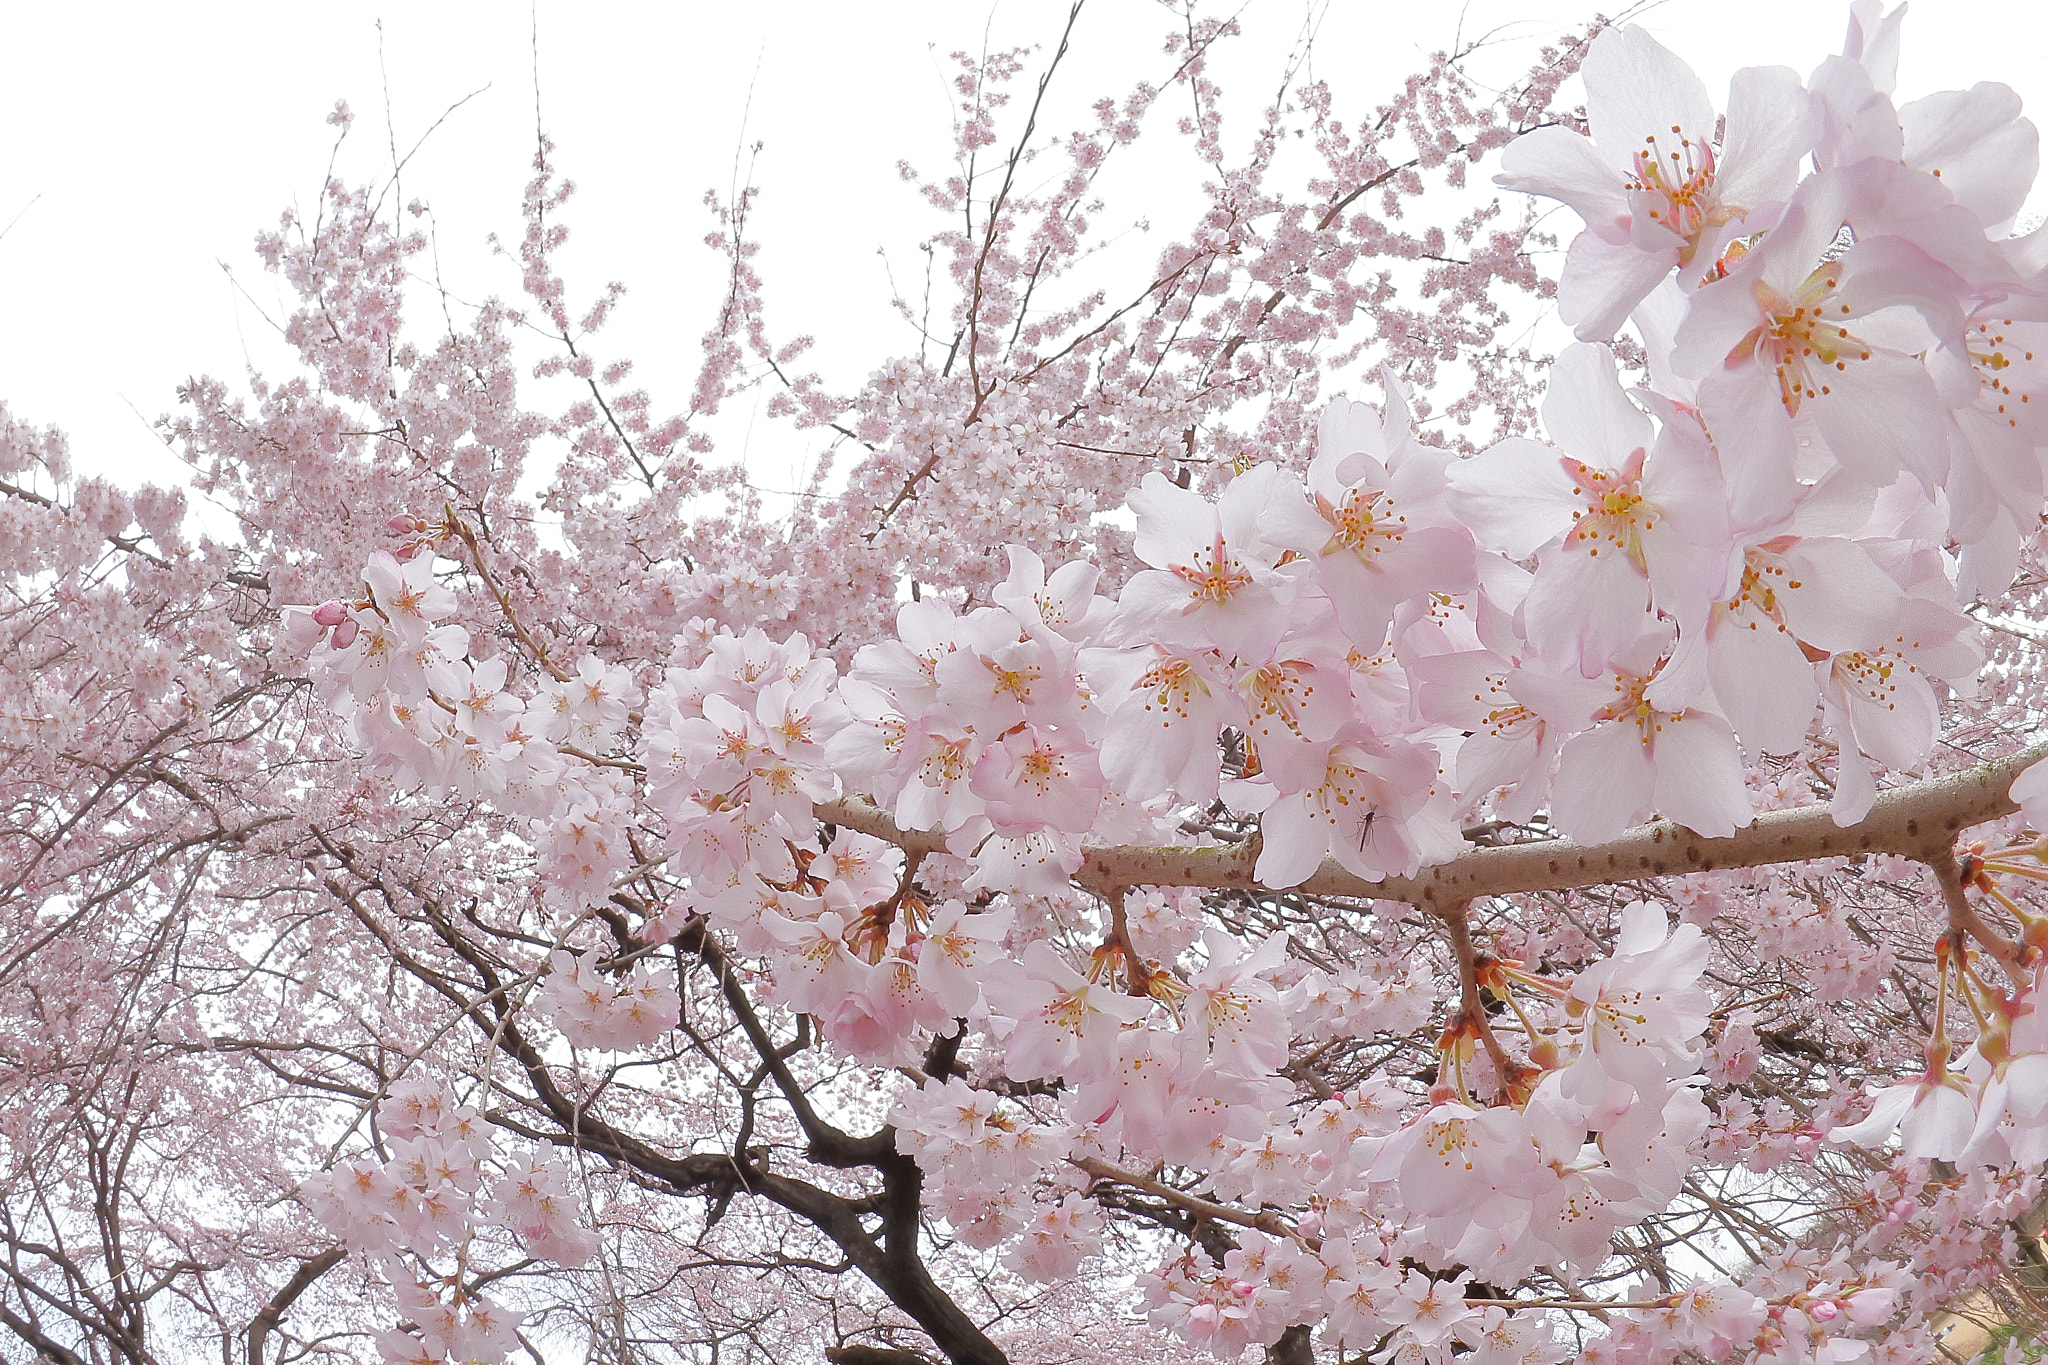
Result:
pixel 441 1182
pixel 1595 1131
pixel 1749 533
pixel 437 719
pixel 593 1010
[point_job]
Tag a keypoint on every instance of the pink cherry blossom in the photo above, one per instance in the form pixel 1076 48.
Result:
pixel 1062 1023
pixel 1620 519
pixel 1374 521
pixel 1130 856
pixel 1215 580
pixel 1829 343
pixel 1658 183
pixel 1635 752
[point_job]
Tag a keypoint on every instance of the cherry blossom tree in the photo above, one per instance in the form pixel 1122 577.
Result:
pixel 1245 813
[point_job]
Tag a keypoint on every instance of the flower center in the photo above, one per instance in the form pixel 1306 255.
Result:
pixel 1801 340
pixel 1016 681
pixel 1212 575
pixel 1505 722
pixel 1757 596
pixel 1615 516
pixel 1040 767
pixel 1629 705
pixel 1994 354
pixel 1279 690
pixel 1870 675
pixel 1676 188
pixel 946 764
pixel 1170 686
pixel 1365 522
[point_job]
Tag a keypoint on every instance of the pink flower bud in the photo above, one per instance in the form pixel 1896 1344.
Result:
pixel 345 633
pixel 1824 1311
pixel 330 614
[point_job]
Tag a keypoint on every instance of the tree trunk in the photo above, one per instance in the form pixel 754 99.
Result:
pixel 1293 1348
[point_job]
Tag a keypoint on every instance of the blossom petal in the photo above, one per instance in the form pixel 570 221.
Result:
pixel 1564 165
pixel 1976 141
pixel 1771 126
pixel 1699 775
pixel 1514 496
pixel 1604 784
pixel 1587 413
pixel 1585 607
pixel 1763 682
pixel 1636 87
pixel 1604 281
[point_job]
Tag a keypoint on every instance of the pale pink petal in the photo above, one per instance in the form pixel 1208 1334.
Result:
pixel 1293 843
pixel 1883 415
pixel 1699 775
pixel 1291 520
pixel 1566 700
pixel 2030 789
pixel 1939 1125
pixel 1897 727
pixel 1985 153
pixel 1763 682
pixel 1514 496
pixel 1636 87
pixel 1833 594
pixel 1991 562
pixel 1855 781
pixel 1488 762
pixel 1686 547
pixel 1771 126
pixel 1563 165
pixel 1753 436
pixel 2027 1086
pixel 1587 413
pixel 1171 520
pixel 1349 428
pixel 1604 281
pixel 1585 607
pixel 1458 689
pixel 1873 41
pixel 1860 122
pixel 1604 784
pixel 1888 1106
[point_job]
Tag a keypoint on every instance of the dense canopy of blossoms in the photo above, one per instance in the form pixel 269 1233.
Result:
pixel 1154 857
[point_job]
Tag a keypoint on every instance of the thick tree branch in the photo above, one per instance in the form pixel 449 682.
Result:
pixel 273 1312
pixel 1918 821
pixel 1268 1223
pixel 44 1347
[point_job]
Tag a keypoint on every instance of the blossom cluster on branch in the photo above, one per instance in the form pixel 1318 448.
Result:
pixel 1146 831
pixel 1744 549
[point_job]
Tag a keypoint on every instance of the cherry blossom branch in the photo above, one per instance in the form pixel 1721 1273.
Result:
pixel 1963 918
pixel 1137 976
pixel 273 1312
pixel 33 1336
pixel 994 222
pixel 1918 821
pixel 890 1260
pixel 1268 1223
pixel 1457 924
pixel 126 544
pixel 533 646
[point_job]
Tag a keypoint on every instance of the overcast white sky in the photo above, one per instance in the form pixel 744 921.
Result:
pixel 142 146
